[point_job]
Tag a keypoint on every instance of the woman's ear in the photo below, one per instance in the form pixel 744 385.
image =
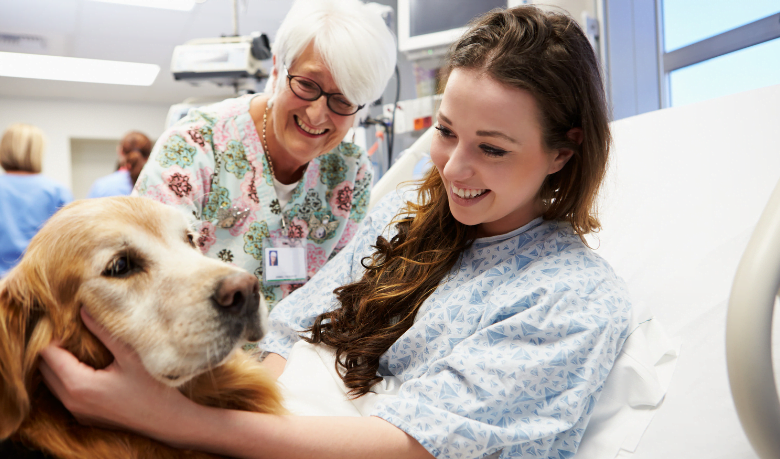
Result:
pixel 562 155
pixel 270 85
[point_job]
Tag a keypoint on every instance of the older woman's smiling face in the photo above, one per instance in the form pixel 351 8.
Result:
pixel 306 129
pixel 489 152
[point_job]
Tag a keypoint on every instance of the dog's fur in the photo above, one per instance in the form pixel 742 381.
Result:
pixel 163 304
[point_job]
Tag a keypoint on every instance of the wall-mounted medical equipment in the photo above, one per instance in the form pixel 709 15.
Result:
pixel 414 114
pixel 427 27
pixel 180 110
pixel 223 60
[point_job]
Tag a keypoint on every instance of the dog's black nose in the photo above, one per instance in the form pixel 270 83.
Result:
pixel 237 291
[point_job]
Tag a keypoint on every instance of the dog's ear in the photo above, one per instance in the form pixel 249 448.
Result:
pixel 24 332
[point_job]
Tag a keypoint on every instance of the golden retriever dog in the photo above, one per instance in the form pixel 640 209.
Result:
pixel 134 265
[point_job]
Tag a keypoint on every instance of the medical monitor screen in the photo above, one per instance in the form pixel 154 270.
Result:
pixel 430 16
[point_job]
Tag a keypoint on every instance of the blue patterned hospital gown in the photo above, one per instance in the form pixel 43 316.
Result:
pixel 506 357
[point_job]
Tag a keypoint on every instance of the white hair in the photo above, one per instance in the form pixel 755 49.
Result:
pixel 352 38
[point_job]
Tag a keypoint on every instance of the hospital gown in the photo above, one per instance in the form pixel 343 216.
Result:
pixel 507 357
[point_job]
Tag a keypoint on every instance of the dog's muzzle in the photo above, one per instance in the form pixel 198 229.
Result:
pixel 237 298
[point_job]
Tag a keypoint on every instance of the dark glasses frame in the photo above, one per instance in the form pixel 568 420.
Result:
pixel 320 93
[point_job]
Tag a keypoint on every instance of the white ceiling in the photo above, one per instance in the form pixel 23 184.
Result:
pixel 97 30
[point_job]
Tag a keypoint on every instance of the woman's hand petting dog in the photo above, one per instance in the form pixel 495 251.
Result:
pixel 136 400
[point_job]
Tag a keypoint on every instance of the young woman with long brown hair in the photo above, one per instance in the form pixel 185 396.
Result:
pixel 476 290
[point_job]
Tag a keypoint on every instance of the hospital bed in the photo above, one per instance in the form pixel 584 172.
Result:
pixel 684 192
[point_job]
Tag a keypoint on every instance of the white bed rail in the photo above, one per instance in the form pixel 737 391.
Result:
pixel 749 333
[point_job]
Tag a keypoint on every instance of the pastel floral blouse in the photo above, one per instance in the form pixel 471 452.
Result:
pixel 212 161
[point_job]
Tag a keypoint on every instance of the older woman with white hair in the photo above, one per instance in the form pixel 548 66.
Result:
pixel 274 170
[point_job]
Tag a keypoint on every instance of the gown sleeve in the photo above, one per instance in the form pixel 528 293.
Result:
pixel 524 383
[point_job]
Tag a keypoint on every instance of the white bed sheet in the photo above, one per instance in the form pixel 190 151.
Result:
pixel 636 386
pixel 685 189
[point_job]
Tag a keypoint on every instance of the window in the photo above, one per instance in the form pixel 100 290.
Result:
pixel 689 21
pixel 718 48
pixel 742 70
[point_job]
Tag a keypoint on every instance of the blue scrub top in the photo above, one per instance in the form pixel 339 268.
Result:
pixel 117 184
pixel 26 202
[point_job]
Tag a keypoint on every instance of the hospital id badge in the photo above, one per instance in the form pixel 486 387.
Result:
pixel 284 261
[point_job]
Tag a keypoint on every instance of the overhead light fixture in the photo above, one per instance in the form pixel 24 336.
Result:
pixel 45 67
pixel 179 5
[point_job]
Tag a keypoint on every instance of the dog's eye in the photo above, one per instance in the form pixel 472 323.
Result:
pixel 120 267
pixel 191 239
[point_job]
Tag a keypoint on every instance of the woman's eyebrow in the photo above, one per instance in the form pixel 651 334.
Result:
pixel 498 134
pixel 444 118
pixel 317 75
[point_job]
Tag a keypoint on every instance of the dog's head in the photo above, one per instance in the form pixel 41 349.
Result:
pixel 133 264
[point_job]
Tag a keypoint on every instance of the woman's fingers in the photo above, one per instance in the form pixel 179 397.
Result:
pixel 50 356
pixel 121 395
pixel 121 351
pixel 102 334
pixel 62 373
pixel 61 368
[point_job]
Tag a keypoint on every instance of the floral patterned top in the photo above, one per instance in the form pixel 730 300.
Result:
pixel 213 161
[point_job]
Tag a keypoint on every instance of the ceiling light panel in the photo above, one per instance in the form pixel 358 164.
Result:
pixel 60 68
pixel 178 5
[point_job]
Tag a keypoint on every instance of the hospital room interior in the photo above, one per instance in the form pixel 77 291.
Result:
pixel 689 206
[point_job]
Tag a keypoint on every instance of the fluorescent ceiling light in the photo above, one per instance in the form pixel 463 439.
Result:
pixel 76 69
pixel 180 5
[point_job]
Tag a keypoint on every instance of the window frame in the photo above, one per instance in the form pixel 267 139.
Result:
pixel 739 38
pixel 638 68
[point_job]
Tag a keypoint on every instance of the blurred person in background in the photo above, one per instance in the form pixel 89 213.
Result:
pixel 27 198
pixel 133 152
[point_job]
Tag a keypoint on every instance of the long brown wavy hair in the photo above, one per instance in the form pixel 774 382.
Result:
pixel 544 53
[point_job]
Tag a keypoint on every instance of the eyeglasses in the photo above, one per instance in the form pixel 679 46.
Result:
pixel 309 90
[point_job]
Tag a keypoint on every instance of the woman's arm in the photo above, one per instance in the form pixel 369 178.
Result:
pixel 274 365
pixel 150 408
pixel 252 435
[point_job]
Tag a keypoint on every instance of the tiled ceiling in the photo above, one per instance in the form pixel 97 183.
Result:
pixel 97 30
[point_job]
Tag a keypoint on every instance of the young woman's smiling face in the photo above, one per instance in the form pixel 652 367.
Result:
pixel 489 152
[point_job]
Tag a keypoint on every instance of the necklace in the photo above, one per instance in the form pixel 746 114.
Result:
pixel 267 155
pixel 265 142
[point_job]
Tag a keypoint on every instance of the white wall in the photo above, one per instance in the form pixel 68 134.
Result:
pixel 91 159
pixel 63 120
